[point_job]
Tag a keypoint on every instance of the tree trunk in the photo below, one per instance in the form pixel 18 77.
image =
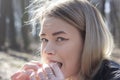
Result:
pixel 25 28
pixel 2 24
pixel 12 30
pixel 115 20
pixel 112 16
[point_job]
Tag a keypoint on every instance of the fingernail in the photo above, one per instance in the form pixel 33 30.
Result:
pixel 32 76
pixel 45 65
pixel 39 70
pixel 29 72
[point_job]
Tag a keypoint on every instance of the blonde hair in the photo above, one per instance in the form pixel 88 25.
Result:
pixel 98 42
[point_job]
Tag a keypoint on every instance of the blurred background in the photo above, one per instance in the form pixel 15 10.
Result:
pixel 19 43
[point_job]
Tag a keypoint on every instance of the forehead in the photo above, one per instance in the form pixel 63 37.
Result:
pixel 52 24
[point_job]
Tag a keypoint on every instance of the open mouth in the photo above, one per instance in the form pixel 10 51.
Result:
pixel 59 64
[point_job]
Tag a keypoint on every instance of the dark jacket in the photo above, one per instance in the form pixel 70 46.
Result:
pixel 109 70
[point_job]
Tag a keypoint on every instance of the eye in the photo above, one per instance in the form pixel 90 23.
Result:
pixel 59 39
pixel 44 40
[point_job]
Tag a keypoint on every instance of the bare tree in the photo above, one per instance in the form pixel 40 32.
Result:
pixel 115 20
pixel 7 27
pixel 25 28
pixel 2 24
pixel 12 30
pixel 110 10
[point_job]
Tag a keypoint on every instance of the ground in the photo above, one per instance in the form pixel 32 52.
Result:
pixel 12 61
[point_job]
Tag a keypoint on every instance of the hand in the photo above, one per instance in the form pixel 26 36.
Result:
pixel 49 72
pixel 27 70
pixel 37 71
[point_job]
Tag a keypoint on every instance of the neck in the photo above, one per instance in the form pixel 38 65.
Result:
pixel 75 77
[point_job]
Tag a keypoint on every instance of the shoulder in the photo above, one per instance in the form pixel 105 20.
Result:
pixel 109 70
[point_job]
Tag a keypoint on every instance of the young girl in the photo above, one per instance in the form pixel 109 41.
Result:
pixel 75 44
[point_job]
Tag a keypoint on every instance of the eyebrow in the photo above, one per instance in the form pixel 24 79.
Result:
pixel 54 34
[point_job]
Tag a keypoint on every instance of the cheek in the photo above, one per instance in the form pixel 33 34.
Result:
pixel 71 56
pixel 71 49
pixel 42 50
pixel 73 53
pixel 43 59
pixel 42 55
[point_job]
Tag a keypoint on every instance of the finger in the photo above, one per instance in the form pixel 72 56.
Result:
pixel 37 63
pixel 32 76
pixel 48 72
pixel 58 73
pixel 41 74
pixel 29 72
pixel 30 66
pixel 20 75
pixel 14 76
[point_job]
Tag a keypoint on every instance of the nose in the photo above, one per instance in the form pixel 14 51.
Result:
pixel 49 49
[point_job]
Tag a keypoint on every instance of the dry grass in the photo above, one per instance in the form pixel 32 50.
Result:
pixel 12 61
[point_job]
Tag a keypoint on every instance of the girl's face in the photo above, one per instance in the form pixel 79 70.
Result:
pixel 61 43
